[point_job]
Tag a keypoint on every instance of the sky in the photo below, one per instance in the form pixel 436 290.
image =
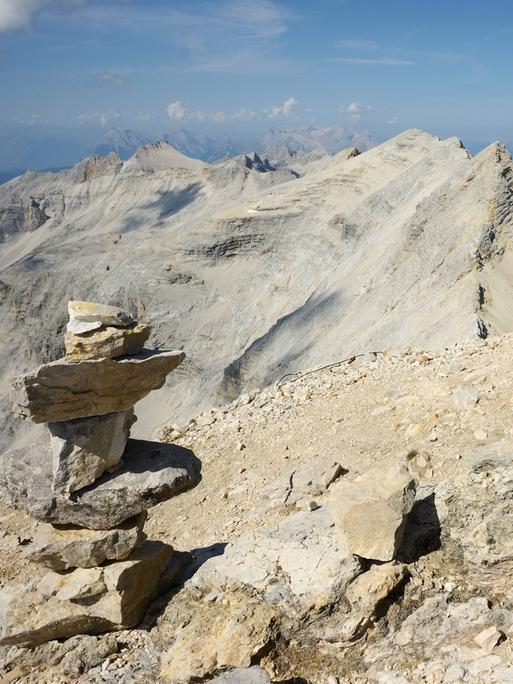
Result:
pixel 71 69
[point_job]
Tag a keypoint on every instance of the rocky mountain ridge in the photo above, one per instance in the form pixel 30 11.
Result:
pixel 258 274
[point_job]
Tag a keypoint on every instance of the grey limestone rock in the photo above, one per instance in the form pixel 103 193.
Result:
pixel 85 601
pixel 83 449
pixel 87 316
pixel 370 511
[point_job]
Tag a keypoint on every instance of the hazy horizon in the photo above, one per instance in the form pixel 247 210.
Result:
pixel 233 69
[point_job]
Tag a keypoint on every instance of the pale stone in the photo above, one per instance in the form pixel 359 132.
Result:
pixel 488 638
pixel 65 390
pixel 107 342
pixel 295 488
pixel 151 472
pixel 465 397
pixel 243 675
pixel 314 566
pixel 370 511
pixel 87 316
pixel 62 548
pixel 202 637
pixel 83 449
pixel 88 601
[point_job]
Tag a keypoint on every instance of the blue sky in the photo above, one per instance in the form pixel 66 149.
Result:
pixel 74 67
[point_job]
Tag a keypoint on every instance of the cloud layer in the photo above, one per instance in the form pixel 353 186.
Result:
pixel 18 14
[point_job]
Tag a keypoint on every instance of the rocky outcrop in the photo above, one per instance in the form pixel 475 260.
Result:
pixel 94 485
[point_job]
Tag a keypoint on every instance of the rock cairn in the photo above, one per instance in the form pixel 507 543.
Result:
pixel 89 485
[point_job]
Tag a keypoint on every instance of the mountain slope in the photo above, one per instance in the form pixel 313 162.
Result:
pixel 257 274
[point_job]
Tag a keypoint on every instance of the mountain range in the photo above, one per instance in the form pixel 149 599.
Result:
pixel 20 152
pixel 258 270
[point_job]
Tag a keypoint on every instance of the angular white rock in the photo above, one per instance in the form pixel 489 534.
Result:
pixel 370 511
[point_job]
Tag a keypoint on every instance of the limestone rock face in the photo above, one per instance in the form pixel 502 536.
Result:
pixel 370 511
pixel 83 449
pixel 63 548
pixel 65 390
pixel 89 601
pixel 108 342
pixel 151 473
pixel 296 486
pixel 86 316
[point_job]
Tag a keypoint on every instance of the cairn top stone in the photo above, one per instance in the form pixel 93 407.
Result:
pixel 65 390
pixel 151 472
pixel 86 316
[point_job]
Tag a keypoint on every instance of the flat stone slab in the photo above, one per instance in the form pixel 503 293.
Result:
pixel 64 390
pixel 86 316
pixel 298 562
pixel 151 472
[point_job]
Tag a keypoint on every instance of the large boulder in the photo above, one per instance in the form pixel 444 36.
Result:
pixel 65 390
pixel 83 449
pixel 370 511
pixel 85 601
pixel 106 342
pixel 151 472
pixel 65 547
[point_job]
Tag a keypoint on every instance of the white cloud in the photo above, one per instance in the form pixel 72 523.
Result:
pixel 109 77
pixel 380 61
pixel 358 45
pixel 18 14
pixel 102 118
pixel 355 110
pixel 244 114
pixel 263 19
pixel 176 111
pixel 144 117
pixel 282 111
pixel 393 120
pixel 219 117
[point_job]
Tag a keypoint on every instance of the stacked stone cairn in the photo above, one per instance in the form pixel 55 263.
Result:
pixel 89 485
